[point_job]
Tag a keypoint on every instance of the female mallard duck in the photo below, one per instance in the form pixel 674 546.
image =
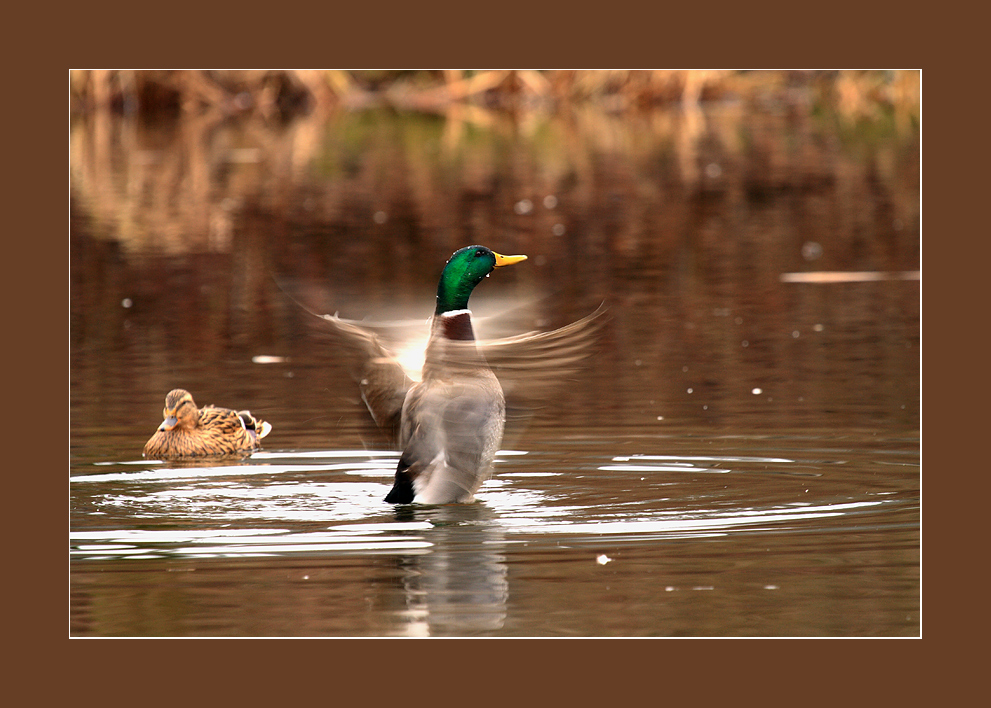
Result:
pixel 451 422
pixel 210 431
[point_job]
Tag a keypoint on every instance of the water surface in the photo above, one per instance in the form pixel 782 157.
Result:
pixel 739 455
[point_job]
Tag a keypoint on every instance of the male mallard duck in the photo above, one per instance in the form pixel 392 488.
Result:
pixel 451 422
pixel 210 431
pixel 449 416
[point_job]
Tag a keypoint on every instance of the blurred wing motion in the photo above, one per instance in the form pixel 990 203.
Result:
pixel 381 378
pixel 529 366
pixel 449 418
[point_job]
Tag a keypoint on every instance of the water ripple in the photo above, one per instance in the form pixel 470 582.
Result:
pixel 268 504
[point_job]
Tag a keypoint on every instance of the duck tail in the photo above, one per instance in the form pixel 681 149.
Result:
pixel 259 428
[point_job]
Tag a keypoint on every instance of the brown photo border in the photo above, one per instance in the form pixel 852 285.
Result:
pixel 614 671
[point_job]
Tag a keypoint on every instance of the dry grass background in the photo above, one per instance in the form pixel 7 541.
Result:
pixel 272 93
pixel 669 195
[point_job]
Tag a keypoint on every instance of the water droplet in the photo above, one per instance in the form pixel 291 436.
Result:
pixel 795 334
pixel 603 559
pixel 713 170
pixel 811 250
pixel 757 391
pixel 550 201
pixel 523 206
pixel 380 217
pixel 557 229
pixel 126 302
pixel 690 391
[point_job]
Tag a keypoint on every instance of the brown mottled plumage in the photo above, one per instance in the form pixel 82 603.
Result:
pixel 206 432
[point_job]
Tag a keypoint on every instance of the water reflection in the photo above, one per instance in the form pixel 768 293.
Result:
pixel 465 570
pixel 691 268
pixel 739 426
pixel 460 587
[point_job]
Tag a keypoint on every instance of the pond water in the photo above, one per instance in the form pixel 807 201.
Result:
pixel 737 455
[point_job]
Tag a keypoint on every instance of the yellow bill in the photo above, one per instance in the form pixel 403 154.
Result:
pixel 502 260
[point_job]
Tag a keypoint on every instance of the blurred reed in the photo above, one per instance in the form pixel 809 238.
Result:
pixel 682 217
pixel 272 93
pixel 184 183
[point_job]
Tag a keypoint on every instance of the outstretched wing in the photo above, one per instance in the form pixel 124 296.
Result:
pixel 386 358
pixel 380 375
pixel 372 362
pixel 531 366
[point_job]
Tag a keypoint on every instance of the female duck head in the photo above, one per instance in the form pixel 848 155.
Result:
pixel 180 411
pixel 463 272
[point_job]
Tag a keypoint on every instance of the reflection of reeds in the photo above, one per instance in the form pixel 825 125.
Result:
pixel 678 217
pixel 180 185
pixel 288 92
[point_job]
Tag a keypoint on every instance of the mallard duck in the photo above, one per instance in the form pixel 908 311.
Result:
pixel 449 415
pixel 210 431
pixel 451 422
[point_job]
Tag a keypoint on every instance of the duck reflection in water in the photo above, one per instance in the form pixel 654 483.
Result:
pixel 460 587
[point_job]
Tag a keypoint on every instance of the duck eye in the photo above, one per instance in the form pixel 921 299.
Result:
pixel 479 252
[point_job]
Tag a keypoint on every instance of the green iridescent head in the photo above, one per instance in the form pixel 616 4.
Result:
pixel 463 272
